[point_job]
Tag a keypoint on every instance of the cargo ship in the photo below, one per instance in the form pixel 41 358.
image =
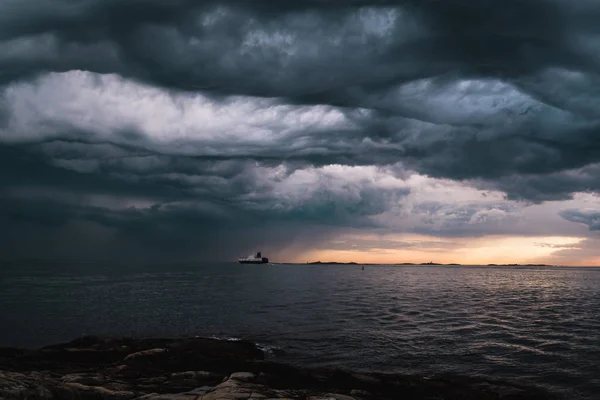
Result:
pixel 255 258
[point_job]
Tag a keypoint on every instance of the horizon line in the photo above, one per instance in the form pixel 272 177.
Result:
pixel 430 264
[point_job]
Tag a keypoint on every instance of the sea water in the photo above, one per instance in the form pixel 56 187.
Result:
pixel 535 325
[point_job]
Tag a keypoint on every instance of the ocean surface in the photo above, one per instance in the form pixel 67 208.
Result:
pixel 538 325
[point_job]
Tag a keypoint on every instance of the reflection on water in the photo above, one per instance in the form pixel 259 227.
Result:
pixel 536 325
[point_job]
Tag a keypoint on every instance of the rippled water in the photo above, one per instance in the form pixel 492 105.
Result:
pixel 535 326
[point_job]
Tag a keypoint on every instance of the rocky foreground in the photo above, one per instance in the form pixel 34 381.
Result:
pixel 208 369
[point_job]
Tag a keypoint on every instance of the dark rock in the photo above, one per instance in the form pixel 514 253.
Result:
pixel 243 377
pixel 204 369
pixel 90 379
pixel 9 352
pixel 79 391
pixel 148 358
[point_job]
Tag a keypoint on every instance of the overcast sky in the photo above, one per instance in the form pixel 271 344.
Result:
pixel 384 131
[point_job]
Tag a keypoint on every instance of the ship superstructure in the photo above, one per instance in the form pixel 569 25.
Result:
pixel 255 258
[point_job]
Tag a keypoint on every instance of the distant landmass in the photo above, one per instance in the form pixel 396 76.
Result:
pixel 355 263
pixel 520 265
pixel 335 263
pixel 427 263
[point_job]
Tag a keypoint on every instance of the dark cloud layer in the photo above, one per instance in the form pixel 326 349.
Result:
pixel 502 95
pixel 47 227
pixel 345 53
pixel 176 209
pixel 191 44
pixel 591 218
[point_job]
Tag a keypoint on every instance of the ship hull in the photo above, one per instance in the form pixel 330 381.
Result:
pixel 263 261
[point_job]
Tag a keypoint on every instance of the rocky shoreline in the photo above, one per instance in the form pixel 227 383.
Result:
pixel 208 369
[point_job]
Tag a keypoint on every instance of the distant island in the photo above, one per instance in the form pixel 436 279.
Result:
pixel 426 263
pixel 355 263
pixel 334 263
pixel 520 265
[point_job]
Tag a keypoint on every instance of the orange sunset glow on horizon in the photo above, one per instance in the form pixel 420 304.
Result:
pixel 468 251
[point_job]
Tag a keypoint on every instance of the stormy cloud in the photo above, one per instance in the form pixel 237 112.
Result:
pixel 175 125
pixel 589 217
